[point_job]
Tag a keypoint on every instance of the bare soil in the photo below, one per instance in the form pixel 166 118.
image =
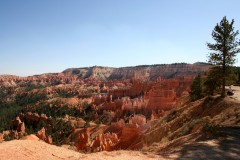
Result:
pixel 33 149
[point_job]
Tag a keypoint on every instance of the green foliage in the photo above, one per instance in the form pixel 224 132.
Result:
pixel 213 81
pixel 59 131
pixel 6 92
pixel 30 129
pixel 67 94
pixel 30 86
pixel 56 111
pixel 28 98
pixel 3 93
pixel 196 88
pixel 8 112
pixel 231 76
pixel 57 128
pixel 33 126
pixel 225 48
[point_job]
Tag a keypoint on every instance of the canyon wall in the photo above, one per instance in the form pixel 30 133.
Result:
pixel 143 72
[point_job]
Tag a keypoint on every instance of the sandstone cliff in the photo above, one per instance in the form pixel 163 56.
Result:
pixel 143 72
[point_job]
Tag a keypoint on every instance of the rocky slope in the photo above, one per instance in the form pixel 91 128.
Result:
pixel 208 127
pixel 143 72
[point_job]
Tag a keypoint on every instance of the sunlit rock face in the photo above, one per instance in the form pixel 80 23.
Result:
pixel 87 141
pixel 164 93
pixel 157 96
pixel 129 138
pixel 41 134
pixel 18 128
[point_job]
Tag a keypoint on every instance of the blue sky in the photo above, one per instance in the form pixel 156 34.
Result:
pixel 41 36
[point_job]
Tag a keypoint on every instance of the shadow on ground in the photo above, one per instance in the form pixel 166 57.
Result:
pixel 225 146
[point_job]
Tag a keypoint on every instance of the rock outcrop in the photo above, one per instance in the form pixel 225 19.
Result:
pixel 41 134
pixel 87 141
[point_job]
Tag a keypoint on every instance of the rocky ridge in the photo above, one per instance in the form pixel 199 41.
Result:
pixel 143 72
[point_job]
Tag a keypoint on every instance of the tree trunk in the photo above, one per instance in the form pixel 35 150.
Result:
pixel 223 87
pixel 224 72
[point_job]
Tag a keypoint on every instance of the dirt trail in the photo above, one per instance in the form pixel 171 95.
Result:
pixel 226 146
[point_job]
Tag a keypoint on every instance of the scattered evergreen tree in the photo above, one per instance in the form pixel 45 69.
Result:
pixel 213 81
pixel 8 112
pixel 225 48
pixel 196 88
pixel 60 130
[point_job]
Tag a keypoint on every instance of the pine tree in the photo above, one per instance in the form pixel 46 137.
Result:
pixel 213 80
pixel 224 49
pixel 196 88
